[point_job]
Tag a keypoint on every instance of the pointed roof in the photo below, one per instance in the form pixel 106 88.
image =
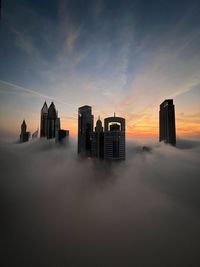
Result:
pixel 98 125
pixel 52 111
pixel 44 108
pixel 52 106
pixel 23 126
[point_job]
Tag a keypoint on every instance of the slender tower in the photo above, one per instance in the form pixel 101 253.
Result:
pixel 52 121
pixel 85 127
pixel 97 140
pixel 24 136
pixel 167 122
pixel 43 120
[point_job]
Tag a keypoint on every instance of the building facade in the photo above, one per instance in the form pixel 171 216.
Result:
pixel 53 122
pixel 114 138
pixel 85 127
pixel 97 141
pixel 43 120
pixel 167 128
pixel 62 137
pixel 50 124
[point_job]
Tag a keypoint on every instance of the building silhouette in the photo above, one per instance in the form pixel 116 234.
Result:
pixel 114 138
pixel 24 136
pixel 43 120
pixel 50 124
pixel 97 140
pixel 85 127
pixel 57 127
pixel 53 122
pixel 62 136
pixel 167 122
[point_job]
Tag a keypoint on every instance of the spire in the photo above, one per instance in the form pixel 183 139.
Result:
pixel 23 126
pixel 98 127
pixel 44 108
pixel 114 114
pixel 52 114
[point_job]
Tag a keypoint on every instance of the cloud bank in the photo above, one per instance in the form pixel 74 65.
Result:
pixel 60 210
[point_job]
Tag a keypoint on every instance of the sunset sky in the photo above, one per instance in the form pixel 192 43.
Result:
pixel 117 56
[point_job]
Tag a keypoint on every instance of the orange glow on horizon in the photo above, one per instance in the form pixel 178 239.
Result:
pixel 143 129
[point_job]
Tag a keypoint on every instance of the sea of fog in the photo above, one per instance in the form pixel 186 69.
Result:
pixel 60 210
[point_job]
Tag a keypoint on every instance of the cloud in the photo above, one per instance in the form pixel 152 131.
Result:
pixel 19 89
pixel 141 212
pixel 105 54
pixel 71 39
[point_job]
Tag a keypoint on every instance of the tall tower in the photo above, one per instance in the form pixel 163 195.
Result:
pixel 52 121
pixel 23 127
pixel 43 120
pixel 85 127
pixel 97 140
pixel 24 136
pixel 167 122
pixel 57 128
pixel 114 138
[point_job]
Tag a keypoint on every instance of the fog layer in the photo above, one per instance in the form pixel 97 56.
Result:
pixel 59 210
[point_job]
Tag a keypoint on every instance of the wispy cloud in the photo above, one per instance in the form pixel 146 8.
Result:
pixel 90 53
pixel 20 89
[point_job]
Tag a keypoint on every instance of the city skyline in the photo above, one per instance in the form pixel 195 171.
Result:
pixel 100 133
pixel 96 117
pixel 50 125
pixel 105 54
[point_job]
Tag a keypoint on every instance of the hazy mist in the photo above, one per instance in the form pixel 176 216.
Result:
pixel 59 210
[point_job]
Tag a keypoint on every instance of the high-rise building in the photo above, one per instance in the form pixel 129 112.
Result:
pixel 97 140
pixel 53 122
pixel 62 136
pixel 43 120
pixel 114 138
pixel 85 127
pixel 57 127
pixel 167 122
pixel 24 136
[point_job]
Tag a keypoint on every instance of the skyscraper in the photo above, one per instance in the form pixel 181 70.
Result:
pixel 24 136
pixel 97 140
pixel 167 122
pixel 57 127
pixel 114 138
pixel 43 120
pixel 85 127
pixel 62 137
pixel 53 122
